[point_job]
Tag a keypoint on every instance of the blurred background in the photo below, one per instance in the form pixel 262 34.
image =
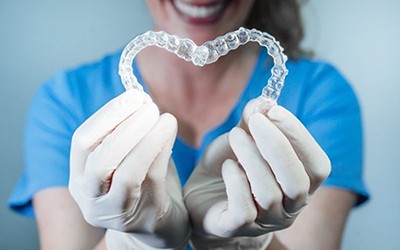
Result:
pixel 38 38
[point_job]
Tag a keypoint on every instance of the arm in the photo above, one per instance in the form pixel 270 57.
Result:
pixel 122 176
pixel 321 223
pixel 102 195
pixel 60 222
pixel 254 181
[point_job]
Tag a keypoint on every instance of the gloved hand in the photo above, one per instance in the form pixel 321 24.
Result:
pixel 122 176
pixel 254 180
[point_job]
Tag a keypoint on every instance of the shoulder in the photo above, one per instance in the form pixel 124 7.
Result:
pixel 309 74
pixel 314 85
pixel 84 88
pixel 86 78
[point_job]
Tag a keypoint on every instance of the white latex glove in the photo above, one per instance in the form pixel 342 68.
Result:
pixel 122 176
pixel 254 180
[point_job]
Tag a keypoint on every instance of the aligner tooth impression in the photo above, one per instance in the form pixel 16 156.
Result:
pixel 207 53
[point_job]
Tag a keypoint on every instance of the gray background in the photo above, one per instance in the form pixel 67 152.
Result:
pixel 37 38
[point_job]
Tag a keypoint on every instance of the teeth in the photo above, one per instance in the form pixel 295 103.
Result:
pixel 197 11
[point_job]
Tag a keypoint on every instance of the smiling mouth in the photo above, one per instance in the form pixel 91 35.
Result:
pixel 205 13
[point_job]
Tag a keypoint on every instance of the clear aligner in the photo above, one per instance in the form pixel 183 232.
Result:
pixel 207 53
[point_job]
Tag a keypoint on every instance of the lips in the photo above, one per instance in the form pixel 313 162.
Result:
pixel 200 12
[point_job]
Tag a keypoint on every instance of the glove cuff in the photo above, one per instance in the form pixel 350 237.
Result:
pixel 116 240
pixel 245 242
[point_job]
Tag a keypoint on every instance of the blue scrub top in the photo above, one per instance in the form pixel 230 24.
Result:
pixel 314 91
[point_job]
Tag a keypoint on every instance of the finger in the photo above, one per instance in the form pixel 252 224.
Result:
pixel 174 186
pixel 286 166
pixel 225 218
pixel 158 170
pixel 157 173
pixel 89 135
pixel 264 187
pixel 116 146
pixel 215 155
pixel 131 173
pixel 258 105
pixel 314 159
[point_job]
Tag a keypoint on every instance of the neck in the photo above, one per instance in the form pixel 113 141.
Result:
pixel 199 97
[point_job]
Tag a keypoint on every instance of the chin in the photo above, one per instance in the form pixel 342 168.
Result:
pixel 201 13
pixel 204 20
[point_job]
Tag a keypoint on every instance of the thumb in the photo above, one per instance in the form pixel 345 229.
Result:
pixel 225 217
pixel 257 105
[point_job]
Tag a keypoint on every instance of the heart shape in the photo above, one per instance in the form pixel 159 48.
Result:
pixel 207 53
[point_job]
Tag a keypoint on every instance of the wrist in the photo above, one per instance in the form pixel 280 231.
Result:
pixel 116 240
pixel 242 242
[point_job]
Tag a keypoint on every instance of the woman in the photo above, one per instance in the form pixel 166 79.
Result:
pixel 247 176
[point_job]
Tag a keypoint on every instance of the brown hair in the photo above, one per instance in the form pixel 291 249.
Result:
pixel 280 18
